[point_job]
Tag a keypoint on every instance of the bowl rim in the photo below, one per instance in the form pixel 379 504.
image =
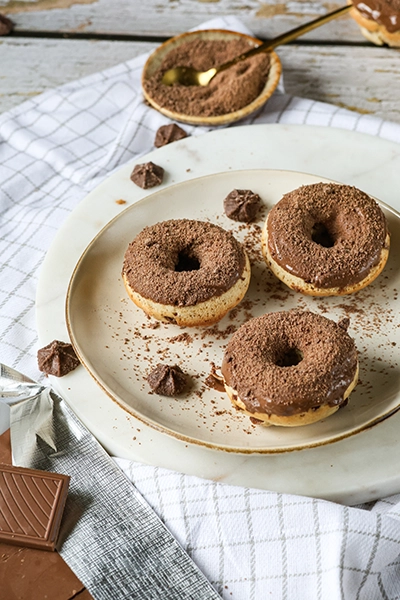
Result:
pixel 267 91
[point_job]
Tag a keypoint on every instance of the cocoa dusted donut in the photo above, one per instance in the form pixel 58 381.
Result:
pixel 326 239
pixel 186 272
pixel 290 368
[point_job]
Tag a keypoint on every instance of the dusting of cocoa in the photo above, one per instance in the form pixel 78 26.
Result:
pixel 227 92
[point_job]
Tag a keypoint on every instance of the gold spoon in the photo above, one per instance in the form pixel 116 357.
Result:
pixel 189 76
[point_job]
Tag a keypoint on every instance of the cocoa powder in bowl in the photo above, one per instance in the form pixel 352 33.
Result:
pixel 228 91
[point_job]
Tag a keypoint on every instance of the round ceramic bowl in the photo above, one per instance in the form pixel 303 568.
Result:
pixel 154 62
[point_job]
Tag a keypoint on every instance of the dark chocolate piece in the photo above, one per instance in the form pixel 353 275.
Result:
pixel 57 358
pixel 6 25
pixel 166 380
pixel 166 134
pixel 242 205
pixel 147 175
pixel 31 506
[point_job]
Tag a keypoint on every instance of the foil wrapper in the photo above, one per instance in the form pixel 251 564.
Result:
pixel 110 537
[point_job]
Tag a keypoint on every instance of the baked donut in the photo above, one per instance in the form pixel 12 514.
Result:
pixel 290 368
pixel 186 272
pixel 326 239
pixel 379 20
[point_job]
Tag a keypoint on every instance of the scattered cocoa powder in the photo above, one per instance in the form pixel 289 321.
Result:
pixel 182 337
pixel 227 92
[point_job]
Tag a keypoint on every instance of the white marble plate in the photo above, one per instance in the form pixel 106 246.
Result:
pixel 127 346
pixel 355 469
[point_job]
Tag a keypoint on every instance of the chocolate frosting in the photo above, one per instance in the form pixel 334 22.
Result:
pixel 384 12
pixel 57 358
pixel 166 134
pixel 147 175
pixel 167 380
pixel 182 262
pixel 255 358
pixel 242 205
pixel 353 222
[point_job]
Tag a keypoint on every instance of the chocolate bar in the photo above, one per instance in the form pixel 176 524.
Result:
pixel 31 506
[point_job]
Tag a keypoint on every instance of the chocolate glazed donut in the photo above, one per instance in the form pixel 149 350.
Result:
pixel 326 239
pixel 290 368
pixel 186 272
pixel 379 20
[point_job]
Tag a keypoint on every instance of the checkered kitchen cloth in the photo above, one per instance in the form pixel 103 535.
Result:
pixel 250 544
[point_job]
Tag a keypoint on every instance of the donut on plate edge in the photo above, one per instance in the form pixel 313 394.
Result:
pixel 290 368
pixel 326 239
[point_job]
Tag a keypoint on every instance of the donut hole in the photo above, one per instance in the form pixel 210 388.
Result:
pixel 290 357
pixel 322 235
pixel 187 261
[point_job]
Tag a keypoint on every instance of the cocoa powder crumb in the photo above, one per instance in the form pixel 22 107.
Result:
pixel 227 92
pixel 182 337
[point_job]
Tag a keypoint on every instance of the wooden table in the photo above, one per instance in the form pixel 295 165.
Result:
pixel 56 41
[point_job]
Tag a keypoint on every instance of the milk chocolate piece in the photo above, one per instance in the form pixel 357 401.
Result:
pixel 6 25
pixel 242 205
pixel 166 134
pixel 166 380
pixel 57 358
pixel 30 574
pixel 31 506
pixel 147 175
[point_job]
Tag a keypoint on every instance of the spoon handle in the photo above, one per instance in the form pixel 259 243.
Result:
pixel 284 38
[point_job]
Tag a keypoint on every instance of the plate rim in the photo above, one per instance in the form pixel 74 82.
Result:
pixel 164 429
pixel 338 473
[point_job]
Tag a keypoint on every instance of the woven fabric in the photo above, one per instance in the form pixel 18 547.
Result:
pixel 250 544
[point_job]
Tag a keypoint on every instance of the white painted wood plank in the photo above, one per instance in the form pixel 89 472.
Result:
pixel 31 66
pixel 166 18
pixel 362 79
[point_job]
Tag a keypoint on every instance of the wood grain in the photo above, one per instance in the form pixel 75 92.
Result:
pixel 366 79
pixel 157 18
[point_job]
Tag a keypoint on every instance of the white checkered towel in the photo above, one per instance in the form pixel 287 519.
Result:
pixel 249 543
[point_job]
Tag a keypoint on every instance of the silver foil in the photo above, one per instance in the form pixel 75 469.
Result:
pixel 110 537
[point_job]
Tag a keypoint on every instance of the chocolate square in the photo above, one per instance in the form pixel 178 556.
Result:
pixel 31 506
